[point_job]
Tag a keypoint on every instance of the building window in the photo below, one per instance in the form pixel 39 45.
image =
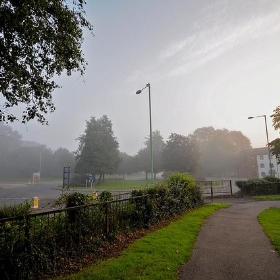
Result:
pixel 262 165
pixel 261 157
pixel 263 174
pixel 271 165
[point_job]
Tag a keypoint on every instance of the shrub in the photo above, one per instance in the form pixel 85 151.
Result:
pixel 37 246
pixel 22 209
pixel 181 179
pixel 272 179
pixel 265 186
pixel 105 196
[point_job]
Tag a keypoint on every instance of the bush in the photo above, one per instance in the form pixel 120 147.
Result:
pixel 181 179
pixel 105 196
pixel 265 186
pixel 22 209
pixel 272 179
pixel 167 199
pixel 38 246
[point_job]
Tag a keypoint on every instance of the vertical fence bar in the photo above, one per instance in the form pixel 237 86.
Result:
pixel 107 218
pixel 230 185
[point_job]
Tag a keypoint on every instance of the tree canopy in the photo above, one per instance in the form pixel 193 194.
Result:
pixel 181 154
pixel 98 151
pixel 275 144
pixel 20 159
pixel 38 40
pixel 219 149
pixel 143 157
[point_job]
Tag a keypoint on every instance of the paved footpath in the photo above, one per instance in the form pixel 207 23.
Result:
pixel 232 245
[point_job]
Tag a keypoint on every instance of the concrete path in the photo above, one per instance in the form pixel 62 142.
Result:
pixel 232 245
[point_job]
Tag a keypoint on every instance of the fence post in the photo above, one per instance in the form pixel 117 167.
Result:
pixel 26 222
pixel 212 196
pixel 230 185
pixel 107 219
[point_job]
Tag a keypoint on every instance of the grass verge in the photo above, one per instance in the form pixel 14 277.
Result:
pixel 119 185
pixel 270 221
pixel 157 255
pixel 271 197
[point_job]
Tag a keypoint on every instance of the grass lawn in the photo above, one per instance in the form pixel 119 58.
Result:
pixel 120 185
pixel 270 221
pixel 157 255
pixel 267 197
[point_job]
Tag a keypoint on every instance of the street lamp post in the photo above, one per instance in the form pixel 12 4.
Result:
pixel 264 116
pixel 151 132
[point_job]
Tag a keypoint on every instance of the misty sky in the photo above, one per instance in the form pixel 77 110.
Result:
pixel 209 63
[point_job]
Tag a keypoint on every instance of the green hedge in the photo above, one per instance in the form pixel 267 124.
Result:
pixel 36 246
pixel 265 186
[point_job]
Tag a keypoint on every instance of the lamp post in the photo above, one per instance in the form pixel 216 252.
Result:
pixel 264 116
pixel 151 132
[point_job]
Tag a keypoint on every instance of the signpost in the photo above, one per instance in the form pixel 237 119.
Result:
pixel 66 177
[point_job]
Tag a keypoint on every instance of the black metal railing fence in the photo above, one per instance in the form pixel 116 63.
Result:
pixel 215 188
pixel 39 239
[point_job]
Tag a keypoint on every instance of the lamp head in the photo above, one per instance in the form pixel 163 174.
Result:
pixel 249 118
pixel 138 91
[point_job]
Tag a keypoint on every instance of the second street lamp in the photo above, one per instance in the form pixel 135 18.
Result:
pixel 264 116
pixel 151 132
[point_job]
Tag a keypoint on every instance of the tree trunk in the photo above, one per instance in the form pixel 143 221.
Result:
pixel 146 175
pixel 99 179
pixel 103 178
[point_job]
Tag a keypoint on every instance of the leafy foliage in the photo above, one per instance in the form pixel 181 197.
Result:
pixel 126 164
pixel 181 154
pixel 41 245
pixel 265 186
pixel 275 148
pixel 219 149
pixel 20 159
pixel 38 40
pixel 183 179
pixel 105 196
pixel 98 148
pixel 142 160
pixel 7 211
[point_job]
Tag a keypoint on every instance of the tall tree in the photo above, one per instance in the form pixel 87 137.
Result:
pixel 275 144
pixel 38 40
pixel 61 158
pixel 158 148
pixel 218 150
pixel 181 154
pixel 9 139
pixel 98 151
pixel 126 164
pixel 143 157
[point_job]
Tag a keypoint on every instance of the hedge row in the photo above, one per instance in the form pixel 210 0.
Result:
pixel 38 246
pixel 265 186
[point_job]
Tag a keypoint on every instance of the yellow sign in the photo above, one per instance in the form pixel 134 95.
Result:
pixel 35 202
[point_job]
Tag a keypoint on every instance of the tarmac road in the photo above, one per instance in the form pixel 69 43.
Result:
pixel 17 193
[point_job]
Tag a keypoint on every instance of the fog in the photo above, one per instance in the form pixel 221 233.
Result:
pixel 209 63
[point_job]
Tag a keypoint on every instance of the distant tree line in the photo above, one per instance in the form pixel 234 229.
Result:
pixel 206 152
pixel 20 159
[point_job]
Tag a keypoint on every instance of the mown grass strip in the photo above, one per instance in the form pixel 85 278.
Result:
pixel 271 197
pixel 117 185
pixel 157 255
pixel 270 221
